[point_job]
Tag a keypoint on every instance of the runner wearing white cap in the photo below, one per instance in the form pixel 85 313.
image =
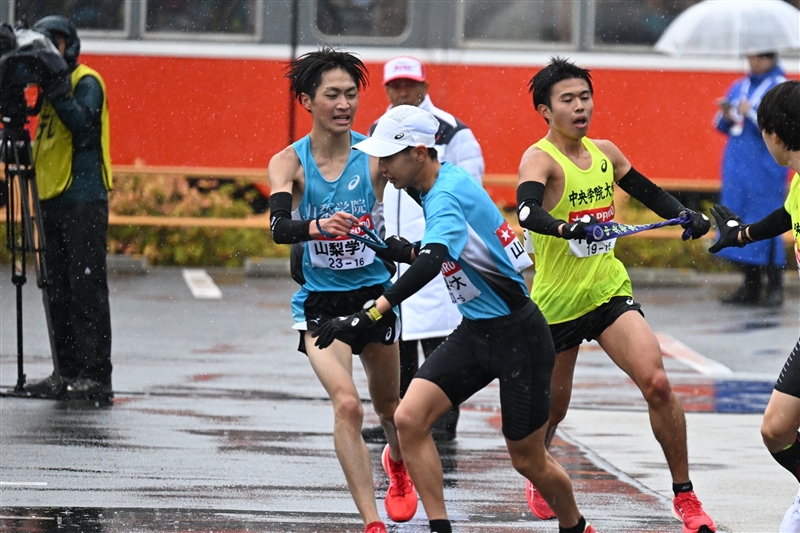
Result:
pixel 429 315
pixel 503 335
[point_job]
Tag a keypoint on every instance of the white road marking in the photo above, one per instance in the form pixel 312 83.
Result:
pixel 23 484
pixel 675 349
pixel 201 284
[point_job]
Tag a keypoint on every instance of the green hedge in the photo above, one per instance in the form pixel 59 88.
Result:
pixel 229 247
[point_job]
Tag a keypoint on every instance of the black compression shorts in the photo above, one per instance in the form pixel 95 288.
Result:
pixel 320 307
pixel 516 349
pixel 588 327
pixel 789 379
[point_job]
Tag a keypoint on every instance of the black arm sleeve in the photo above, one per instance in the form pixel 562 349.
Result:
pixel 424 268
pixel 530 212
pixel 284 229
pixel 651 195
pixel 772 225
pixel 414 194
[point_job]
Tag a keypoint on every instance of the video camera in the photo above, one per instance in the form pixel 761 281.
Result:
pixel 26 57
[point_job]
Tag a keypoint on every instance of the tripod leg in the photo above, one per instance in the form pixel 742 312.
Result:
pixel 20 370
pixel 35 245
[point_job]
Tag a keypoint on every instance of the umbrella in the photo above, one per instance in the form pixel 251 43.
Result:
pixel 733 28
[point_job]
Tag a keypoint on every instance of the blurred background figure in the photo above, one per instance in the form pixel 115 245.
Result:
pixel 753 185
pixel 429 315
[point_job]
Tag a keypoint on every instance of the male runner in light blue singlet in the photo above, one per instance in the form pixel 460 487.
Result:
pixel 322 192
pixel 503 334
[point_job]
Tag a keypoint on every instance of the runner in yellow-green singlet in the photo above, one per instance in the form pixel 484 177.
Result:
pixel 566 182
pixel 779 122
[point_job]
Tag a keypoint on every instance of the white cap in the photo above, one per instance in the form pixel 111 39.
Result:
pixel 403 67
pixel 400 127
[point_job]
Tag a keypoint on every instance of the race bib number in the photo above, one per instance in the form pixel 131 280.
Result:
pixel 342 253
pixel 458 284
pixel 514 249
pixel 527 241
pixel 580 248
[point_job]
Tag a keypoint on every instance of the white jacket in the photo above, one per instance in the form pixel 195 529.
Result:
pixel 430 312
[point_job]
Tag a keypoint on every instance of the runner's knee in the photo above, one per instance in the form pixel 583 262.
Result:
pixel 386 410
pixel 657 389
pixel 529 465
pixel 777 436
pixel 348 410
pixel 408 423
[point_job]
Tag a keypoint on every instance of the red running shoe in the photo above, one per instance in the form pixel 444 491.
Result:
pixel 539 507
pixel 375 527
pixel 687 508
pixel 401 498
pixel 589 528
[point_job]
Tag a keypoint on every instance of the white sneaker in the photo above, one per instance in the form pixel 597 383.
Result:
pixel 791 520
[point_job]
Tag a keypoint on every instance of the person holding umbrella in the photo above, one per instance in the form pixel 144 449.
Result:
pixel 752 182
pixel 779 123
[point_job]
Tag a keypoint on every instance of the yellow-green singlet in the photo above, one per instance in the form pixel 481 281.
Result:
pixel 53 149
pixel 565 286
pixel 792 207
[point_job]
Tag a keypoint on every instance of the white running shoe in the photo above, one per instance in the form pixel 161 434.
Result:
pixel 791 520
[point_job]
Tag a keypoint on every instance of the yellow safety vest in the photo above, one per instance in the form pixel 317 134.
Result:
pixel 53 145
pixel 567 286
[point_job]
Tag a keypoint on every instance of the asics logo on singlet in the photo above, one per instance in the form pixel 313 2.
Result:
pixel 354 182
pixel 399 136
pixel 603 165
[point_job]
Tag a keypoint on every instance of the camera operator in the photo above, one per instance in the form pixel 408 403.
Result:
pixel 73 175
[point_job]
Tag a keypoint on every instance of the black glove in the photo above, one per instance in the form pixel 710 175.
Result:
pixel 577 230
pixel 56 86
pixel 347 329
pixel 730 229
pixel 398 249
pixel 697 226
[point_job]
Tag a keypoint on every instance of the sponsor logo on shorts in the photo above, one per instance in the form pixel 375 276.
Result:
pixel 389 333
pixel 629 301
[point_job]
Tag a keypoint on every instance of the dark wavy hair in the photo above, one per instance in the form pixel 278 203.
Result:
pixel 559 69
pixel 779 112
pixel 305 72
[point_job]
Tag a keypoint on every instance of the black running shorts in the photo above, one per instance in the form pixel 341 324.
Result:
pixel 588 327
pixel 789 378
pixel 516 349
pixel 320 307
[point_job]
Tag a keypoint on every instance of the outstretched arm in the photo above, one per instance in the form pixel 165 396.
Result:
pixel 651 195
pixel 733 232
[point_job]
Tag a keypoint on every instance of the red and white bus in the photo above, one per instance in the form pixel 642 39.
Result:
pixel 199 83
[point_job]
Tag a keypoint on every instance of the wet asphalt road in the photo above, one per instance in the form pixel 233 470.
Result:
pixel 220 425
